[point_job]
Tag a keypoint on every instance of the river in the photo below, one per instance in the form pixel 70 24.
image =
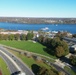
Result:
pixel 51 27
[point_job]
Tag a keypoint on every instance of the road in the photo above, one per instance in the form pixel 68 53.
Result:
pixel 60 69
pixel 11 66
pixel 57 67
pixel 70 39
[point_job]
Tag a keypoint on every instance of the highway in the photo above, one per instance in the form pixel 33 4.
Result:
pixel 11 65
pixel 25 68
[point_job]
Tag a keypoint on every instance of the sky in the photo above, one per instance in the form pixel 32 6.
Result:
pixel 38 8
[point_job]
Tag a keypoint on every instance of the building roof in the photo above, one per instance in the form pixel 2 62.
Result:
pixel 74 46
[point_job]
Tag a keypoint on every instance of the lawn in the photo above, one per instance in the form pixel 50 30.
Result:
pixel 3 67
pixel 27 45
pixel 29 61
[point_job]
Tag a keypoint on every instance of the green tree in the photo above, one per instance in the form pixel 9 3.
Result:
pixel 73 60
pixel 5 37
pixel 65 47
pixel 1 36
pixel 17 36
pixel 30 35
pixel 59 51
pixel 11 37
pixel 53 45
pixel 23 37
pixel 54 42
pixel 57 42
pixel 44 71
pixel 47 41
pixel 40 38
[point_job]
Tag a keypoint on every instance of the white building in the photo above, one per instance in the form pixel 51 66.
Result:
pixel 14 32
pixel 73 48
pixel 69 35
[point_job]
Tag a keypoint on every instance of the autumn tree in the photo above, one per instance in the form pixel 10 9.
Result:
pixel 59 51
pixel 61 73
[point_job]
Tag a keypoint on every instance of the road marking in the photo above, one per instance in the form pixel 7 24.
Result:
pixel 11 61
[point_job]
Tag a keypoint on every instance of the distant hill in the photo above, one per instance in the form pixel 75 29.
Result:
pixel 38 20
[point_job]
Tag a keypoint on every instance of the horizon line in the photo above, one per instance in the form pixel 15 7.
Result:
pixel 35 17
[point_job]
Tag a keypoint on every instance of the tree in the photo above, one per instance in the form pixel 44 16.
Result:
pixel 65 47
pixel 47 42
pixel 73 60
pixel 5 37
pixel 45 71
pixel 74 35
pixel 30 35
pixel 40 38
pixel 11 37
pixel 61 73
pixel 61 35
pixel 59 51
pixel 17 36
pixel 57 42
pixel 54 46
pixel 1 36
pixel 23 37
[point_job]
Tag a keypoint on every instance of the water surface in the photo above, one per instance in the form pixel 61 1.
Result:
pixel 52 27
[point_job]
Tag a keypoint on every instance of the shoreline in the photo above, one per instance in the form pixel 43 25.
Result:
pixel 40 23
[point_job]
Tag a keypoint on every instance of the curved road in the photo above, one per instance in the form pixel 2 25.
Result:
pixel 26 69
pixel 11 66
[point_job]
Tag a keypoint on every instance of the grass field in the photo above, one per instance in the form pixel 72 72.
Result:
pixel 3 67
pixel 27 45
pixel 29 61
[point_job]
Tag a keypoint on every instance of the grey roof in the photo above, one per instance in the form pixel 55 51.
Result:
pixel 74 46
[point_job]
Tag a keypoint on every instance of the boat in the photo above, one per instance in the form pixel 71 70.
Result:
pixel 46 28
pixel 56 25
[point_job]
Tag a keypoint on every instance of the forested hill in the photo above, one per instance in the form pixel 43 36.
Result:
pixel 38 20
